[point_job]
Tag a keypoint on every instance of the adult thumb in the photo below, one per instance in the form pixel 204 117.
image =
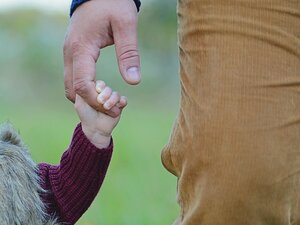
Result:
pixel 126 44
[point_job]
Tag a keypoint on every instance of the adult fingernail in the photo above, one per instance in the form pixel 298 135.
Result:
pixel 133 74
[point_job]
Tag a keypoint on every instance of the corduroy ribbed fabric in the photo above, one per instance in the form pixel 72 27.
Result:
pixel 73 184
pixel 235 148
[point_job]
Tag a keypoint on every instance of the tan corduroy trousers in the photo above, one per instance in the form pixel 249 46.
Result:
pixel 235 147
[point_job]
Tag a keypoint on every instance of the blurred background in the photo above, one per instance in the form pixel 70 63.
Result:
pixel 137 189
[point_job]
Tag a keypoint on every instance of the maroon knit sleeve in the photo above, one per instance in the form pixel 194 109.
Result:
pixel 73 184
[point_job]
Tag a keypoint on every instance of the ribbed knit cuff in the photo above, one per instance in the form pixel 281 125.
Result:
pixel 79 136
pixel 76 3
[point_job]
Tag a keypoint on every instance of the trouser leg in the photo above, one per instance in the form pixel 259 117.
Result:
pixel 235 147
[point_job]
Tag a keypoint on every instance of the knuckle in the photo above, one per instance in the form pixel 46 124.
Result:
pixel 69 95
pixel 130 20
pixel 126 20
pixel 105 95
pixel 128 52
pixel 76 46
pixel 80 87
pixel 129 17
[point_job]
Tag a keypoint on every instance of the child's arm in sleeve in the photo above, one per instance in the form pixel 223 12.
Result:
pixel 72 186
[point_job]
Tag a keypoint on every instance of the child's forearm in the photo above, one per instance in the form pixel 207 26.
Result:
pixel 74 183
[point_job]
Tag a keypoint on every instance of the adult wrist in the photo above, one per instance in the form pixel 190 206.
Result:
pixel 76 3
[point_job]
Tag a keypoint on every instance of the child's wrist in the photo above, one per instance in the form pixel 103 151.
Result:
pixel 96 137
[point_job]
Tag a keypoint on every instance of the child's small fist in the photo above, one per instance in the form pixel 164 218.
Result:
pixel 109 98
pixel 96 125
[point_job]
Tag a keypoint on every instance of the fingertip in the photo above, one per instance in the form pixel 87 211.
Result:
pixel 133 75
pixel 124 99
pixel 107 105
pixel 98 89
pixel 100 85
pixel 123 102
pixel 112 101
pixel 100 100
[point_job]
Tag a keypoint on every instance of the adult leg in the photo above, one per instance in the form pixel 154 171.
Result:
pixel 235 147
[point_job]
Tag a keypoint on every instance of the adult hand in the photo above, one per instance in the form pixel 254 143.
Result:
pixel 93 26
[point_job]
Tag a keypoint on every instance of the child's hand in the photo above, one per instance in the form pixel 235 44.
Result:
pixel 98 126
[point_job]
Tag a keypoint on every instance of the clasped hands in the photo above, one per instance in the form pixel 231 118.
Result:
pixel 94 25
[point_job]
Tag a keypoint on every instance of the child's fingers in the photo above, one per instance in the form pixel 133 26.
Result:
pixel 104 95
pixel 122 103
pixel 112 101
pixel 100 85
pixel 108 98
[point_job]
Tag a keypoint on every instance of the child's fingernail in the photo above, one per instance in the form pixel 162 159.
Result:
pixel 100 99
pixel 98 89
pixel 106 105
pixel 133 74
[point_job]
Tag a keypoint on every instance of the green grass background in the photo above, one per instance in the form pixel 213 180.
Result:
pixel 137 189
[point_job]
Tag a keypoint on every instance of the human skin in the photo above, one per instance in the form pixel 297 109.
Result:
pixel 95 25
pixel 98 126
